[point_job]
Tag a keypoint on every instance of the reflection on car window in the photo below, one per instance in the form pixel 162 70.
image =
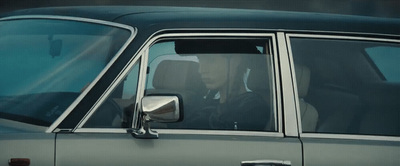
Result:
pixel 116 111
pixel 342 91
pixel 387 60
pixel 45 64
pixel 225 84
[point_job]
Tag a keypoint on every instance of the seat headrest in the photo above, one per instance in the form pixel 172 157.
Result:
pixel 303 79
pixel 178 75
pixel 258 79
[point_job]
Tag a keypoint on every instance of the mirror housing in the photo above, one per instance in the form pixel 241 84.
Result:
pixel 162 109
pixel 158 108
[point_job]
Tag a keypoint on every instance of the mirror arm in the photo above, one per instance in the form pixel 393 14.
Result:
pixel 144 131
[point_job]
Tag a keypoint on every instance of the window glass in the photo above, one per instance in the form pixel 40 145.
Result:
pixel 387 59
pixel 341 87
pixel 46 64
pixel 116 111
pixel 226 84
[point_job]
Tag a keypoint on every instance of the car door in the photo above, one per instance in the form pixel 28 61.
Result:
pixel 353 87
pixel 183 64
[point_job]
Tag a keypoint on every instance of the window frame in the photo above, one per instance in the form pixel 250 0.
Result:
pixel 335 37
pixel 144 54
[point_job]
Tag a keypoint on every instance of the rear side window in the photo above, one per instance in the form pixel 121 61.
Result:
pixel 226 84
pixel 348 86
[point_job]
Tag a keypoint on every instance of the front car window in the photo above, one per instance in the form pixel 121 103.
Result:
pixel 226 84
pixel 46 63
pixel 348 86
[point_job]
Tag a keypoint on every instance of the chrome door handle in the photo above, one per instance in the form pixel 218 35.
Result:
pixel 266 163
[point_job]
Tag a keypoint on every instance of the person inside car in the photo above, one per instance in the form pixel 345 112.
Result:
pixel 229 104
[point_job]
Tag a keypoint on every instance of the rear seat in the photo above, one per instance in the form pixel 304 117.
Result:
pixel 337 109
pixel 383 110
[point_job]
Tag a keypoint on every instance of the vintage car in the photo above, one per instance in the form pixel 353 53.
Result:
pixel 172 86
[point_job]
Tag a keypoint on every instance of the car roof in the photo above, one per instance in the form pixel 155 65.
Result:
pixel 157 18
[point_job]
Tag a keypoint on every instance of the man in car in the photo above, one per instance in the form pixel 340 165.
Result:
pixel 229 104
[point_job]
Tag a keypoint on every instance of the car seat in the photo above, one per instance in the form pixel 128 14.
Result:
pixel 308 113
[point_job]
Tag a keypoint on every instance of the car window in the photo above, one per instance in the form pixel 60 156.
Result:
pixel 341 88
pixel 386 59
pixel 116 111
pixel 46 64
pixel 225 84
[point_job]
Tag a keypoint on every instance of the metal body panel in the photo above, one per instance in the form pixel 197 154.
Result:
pixel 81 146
pixel 326 151
pixel 173 149
pixel 38 147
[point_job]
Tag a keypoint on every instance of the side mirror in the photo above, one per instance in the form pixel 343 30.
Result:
pixel 158 108
pixel 162 108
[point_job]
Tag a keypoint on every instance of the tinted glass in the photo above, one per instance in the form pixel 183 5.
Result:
pixel 225 84
pixel 343 87
pixel 46 64
pixel 116 111
pixel 386 59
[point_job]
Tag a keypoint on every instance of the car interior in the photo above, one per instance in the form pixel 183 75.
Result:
pixel 346 89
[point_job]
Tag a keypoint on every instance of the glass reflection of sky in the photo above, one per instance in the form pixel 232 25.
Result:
pixel 387 60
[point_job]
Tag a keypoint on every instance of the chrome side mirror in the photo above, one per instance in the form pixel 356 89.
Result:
pixel 162 108
pixel 158 108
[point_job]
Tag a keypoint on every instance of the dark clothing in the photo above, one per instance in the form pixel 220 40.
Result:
pixel 247 111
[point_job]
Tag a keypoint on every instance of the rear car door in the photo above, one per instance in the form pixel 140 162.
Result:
pixel 353 85
pixel 232 98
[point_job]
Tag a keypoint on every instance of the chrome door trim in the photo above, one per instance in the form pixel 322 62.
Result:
pixel 141 87
pixel 242 35
pixel 350 136
pixel 101 130
pixel 291 31
pixel 219 132
pixel 185 132
pixel 132 30
pixel 278 120
pixel 288 82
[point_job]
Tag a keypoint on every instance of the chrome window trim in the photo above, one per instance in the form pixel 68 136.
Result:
pixel 242 35
pixel 277 85
pixel 143 52
pixel 219 132
pixel 141 88
pixel 289 104
pixel 350 136
pixel 287 31
pixel 185 132
pixel 341 37
pixel 333 135
pixel 133 32
pixel 101 130
pixel 69 18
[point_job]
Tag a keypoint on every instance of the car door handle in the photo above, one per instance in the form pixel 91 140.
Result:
pixel 19 162
pixel 265 163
